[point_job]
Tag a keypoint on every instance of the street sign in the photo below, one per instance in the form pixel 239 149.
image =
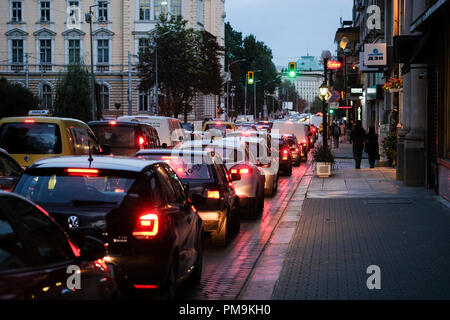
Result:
pixel 335 96
pixel 38 112
pixel 333 105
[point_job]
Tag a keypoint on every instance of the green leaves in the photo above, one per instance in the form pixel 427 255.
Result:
pixel 15 99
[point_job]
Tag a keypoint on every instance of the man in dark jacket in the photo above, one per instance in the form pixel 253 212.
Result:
pixel 357 139
pixel 372 146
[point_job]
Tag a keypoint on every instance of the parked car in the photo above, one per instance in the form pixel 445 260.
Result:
pixel 238 159
pixel 28 139
pixel 37 257
pixel 210 188
pixel 10 171
pixel 285 154
pixel 138 208
pixel 125 137
pixel 169 130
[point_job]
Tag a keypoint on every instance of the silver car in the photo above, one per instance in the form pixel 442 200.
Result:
pixel 240 162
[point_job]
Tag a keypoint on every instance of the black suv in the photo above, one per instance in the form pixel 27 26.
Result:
pixel 210 188
pixel 125 138
pixel 138 208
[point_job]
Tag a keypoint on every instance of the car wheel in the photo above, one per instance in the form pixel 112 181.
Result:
pixel 237 221
pixel 260 206
pixel 252 212
pixel 221 237
pixel 196 275
pixel 170 286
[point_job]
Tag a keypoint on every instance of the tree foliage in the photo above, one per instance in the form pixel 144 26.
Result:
pixel 73 94
pixel 188 64
pixel 16 100
pixel 258 56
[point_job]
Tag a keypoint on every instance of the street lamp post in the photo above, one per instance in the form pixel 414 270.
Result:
pixel 326 55
pixel 228 85
pixel 88 18
pixel 156 88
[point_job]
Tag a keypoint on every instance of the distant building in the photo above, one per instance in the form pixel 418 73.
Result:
pixel 40 38
pixel 311 77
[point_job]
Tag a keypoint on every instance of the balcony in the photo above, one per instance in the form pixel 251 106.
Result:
pixel 17 67
pixel 102 67
pixel 45 67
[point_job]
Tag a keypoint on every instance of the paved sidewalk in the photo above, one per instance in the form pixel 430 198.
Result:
pixel 359 218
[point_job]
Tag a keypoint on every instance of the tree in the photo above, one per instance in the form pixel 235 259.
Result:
pixel 188 64
pixel 316 106
pixel 73 94
pixel 16 100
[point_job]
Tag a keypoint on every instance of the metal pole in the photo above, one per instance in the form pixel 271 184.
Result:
pixel 245 102
pixel 254 97
pixel 324 109
pixel 130 101
pixel 92 68
pixel 228 93
pixel 156 79
pixel 26 70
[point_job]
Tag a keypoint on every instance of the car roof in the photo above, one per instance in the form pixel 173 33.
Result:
pixel 39 119
pixel 146 116
pixel 98 162
pixel 177 152
pixel 120 123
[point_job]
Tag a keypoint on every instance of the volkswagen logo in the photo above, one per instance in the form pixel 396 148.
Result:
pixel 26 158
pixel 73 222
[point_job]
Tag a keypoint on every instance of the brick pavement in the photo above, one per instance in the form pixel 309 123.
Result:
pixel 359 218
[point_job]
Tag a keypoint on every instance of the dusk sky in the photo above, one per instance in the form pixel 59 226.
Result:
pixel 291 28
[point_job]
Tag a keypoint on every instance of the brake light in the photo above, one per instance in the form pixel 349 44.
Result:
pixel 213 194
pixel 180 170
pixel 141 141
pixel 297 150
pixel 82 172
pixel 113 123
pixel 304 141
pixel 313 129
pixel 168 158
pixel 244 171
pixel 285 151
pixel 241 169
pixel 29 121
pixel 145 286
pixel 147 226
pixel 285 158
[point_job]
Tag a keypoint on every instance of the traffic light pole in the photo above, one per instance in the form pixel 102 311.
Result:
pixel 245 102
pixel 254 97
pixel 324 109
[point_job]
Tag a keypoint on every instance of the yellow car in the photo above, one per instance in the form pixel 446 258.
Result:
pixel 28 139
pixel 219 128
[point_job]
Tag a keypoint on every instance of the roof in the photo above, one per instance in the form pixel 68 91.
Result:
pixel 146 116
pixel 99 162
pixel 309 63
pixel 178 153
pixel 38 119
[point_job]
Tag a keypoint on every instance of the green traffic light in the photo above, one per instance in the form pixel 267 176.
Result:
pixel 292 74
pixel 331 111
pixel 250 81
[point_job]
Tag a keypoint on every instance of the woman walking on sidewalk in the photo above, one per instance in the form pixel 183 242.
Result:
pixel 357 139
pixel 372 146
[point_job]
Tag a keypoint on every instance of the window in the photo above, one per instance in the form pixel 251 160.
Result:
pixel 102 11
pixel 47 239
pixel 13 254
pixel 143 45
pixel 74 7
pixel 74 51
pixel 144 98
pixel 45 10
pixel 200 12
pixel 8 168
pixel 103 51
pixel 144 10
pixel 177 185
pixel 80 139
pixel 159 8
pixel 16 7
pixel 47 100
pixel 17 51
pixel 175 7
pixel 46 51
pixel 166 186
pixel 104 97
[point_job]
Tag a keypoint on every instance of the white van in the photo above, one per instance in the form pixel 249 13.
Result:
pixel 289 128
pixel 169 129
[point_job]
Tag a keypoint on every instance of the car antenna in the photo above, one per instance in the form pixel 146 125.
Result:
pixel 90 159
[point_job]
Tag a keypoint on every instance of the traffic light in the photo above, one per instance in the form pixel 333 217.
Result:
pixel 292 70
pixel 250 77
pixel 331 111
pixel 219 110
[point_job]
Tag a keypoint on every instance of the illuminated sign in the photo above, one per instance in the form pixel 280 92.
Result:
pixel 333 64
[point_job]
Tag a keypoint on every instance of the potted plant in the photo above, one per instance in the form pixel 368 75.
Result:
pixel 393 85
pixel 324 159
pixel 390 147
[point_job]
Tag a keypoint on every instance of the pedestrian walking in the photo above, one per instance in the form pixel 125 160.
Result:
pixel 371 147
pixel 336 132
pixel 357 139
pixel 342 127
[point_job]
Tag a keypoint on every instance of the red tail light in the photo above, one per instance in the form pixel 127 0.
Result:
pixel 241 169
pixel 113 123
pixel 147 226
pixel 145 286
pixel 141 141
pixel 297 149
pixel 213 194
pixel 29 121
pixel 285 151
pixel 82 172
pixel 304 141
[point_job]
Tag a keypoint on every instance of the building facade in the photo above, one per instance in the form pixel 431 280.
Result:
pixel 416 35
pixel 41 38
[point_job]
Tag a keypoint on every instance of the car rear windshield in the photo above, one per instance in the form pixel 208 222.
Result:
pixel 218 126
pixel 186 167
pixel 31 138
pixel 60 188
pixel 117 135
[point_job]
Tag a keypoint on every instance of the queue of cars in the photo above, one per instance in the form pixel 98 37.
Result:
pixel 130 200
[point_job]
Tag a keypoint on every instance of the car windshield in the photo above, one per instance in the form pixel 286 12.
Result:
pixel 218 126
pixel 186 167
pixel 31 138
pixel 78 189
pixel 116 135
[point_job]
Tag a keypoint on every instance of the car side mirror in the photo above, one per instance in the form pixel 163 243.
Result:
pixel 235 177
pixel 91 248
